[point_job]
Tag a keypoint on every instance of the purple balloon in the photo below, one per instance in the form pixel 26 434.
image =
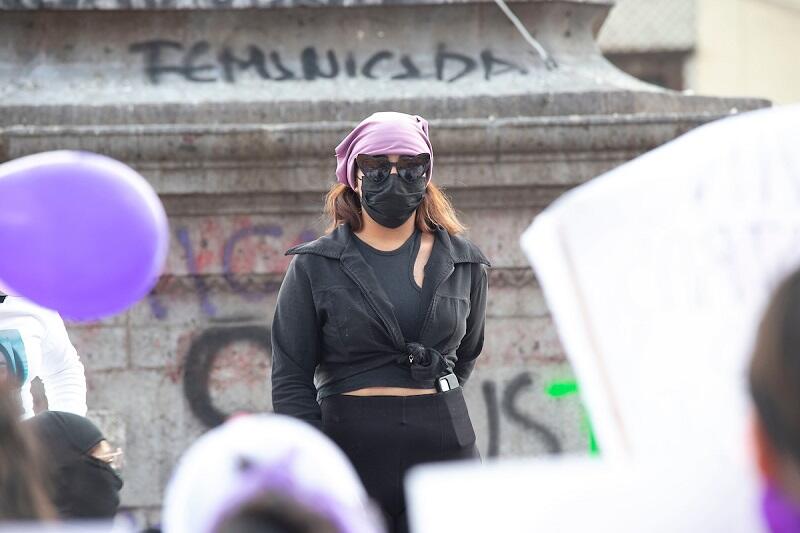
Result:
pixel 80 233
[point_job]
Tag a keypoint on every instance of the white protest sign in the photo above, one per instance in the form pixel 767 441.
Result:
pixel 657 273
pixel 578 495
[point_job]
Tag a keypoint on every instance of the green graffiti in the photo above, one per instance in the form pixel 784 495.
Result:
pixel 557 389
pixel 561 389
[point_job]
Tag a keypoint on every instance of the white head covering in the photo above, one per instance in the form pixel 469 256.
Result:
pixel 284 455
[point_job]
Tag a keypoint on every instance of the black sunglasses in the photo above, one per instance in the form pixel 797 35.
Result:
pixel 378 167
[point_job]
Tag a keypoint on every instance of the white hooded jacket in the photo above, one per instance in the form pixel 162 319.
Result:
pixel 39 337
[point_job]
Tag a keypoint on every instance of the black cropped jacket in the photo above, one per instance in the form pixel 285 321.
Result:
pixel 333 320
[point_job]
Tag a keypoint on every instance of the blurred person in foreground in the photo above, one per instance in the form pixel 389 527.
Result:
pixel 270 474
pixel 34 343
pixel 83 467
pixel 23 495
pixel 775 389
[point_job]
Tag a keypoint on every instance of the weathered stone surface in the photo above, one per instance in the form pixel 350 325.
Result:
pixel 304 65
pixel 218 5
pixel 514 416
pixel 101 347
pixel 111 425
pixel 158 426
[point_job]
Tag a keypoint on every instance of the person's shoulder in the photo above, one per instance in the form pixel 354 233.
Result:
pixel 465 251
pixel 329 245
pixel 307 263
pixel 17 306
pixel 33 323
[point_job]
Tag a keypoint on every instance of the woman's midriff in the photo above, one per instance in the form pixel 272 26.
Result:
pixel 389 391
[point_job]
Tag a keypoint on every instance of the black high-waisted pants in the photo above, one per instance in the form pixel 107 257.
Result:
pixel 384 436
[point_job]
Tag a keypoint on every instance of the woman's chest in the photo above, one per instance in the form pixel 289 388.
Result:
pixel 358 315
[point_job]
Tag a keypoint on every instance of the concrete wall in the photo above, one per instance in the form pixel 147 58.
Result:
pixel 241 153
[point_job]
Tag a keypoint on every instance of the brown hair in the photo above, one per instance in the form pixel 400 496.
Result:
pixel 775 370
pixel 22 480
pixel 343 206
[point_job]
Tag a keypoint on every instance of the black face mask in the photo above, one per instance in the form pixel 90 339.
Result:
pixel 391 201
pixel 83 486
pixel 89 489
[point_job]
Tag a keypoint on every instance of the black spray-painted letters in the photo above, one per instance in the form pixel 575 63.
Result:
pixel 200 62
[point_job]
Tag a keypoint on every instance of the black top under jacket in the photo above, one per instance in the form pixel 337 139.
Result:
pixel 333 320
pixel 394 271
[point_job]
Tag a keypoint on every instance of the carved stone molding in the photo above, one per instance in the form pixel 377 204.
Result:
pixel 217 283
pixel 499 278
pixel 511 278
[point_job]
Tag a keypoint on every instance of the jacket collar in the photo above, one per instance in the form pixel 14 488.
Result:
pixel 334 244
pixel 447 251
pixel 364 277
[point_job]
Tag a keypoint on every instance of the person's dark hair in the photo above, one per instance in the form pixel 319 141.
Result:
pixel 775 370
pixel 275 513
pixel 23 494
pixel 342 206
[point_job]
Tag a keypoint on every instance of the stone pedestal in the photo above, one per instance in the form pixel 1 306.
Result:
pixel 232 109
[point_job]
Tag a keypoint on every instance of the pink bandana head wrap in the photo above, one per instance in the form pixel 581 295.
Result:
pixel 384 133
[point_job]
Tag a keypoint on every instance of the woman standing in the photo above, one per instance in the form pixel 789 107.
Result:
pixel 379 322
